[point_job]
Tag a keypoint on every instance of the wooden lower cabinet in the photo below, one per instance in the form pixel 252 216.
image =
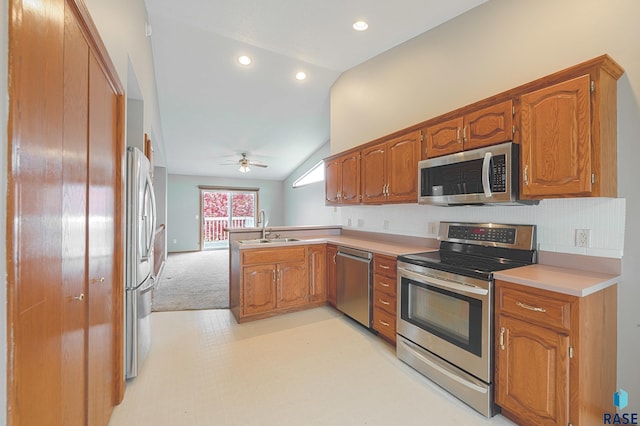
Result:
pixel 332 283
pixel 384 296
pixel 271 281
pixel 317 255
pixel 548 346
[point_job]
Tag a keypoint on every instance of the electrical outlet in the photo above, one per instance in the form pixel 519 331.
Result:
pixel 349 222
pixel 385 224
pixel 360 223
pixel 175 241
pixel 583 237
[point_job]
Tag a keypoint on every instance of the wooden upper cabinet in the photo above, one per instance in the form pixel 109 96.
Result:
pixel 487 126
pixel 350 193
pixel 342 179
pixel 443 138
pixel 390 170
pixel 374 173
pixel 568 130
pixel 556 140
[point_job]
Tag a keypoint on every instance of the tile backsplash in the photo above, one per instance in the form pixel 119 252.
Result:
pixel 556 220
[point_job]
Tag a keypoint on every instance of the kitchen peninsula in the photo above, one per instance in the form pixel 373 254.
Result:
pixel 290 271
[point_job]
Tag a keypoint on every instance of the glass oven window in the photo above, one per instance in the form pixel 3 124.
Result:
pixel 451 316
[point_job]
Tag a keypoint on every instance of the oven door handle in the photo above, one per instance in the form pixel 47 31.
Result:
pixel 445 285
pixel 486 185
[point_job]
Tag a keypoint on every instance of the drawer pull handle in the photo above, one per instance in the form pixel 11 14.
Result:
pixel 384 302
pixel 502 338
pixel 386 324
pixel 384 267
pixel 531 308
pixel 385 284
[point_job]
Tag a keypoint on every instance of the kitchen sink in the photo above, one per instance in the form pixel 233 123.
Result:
pixel 266 240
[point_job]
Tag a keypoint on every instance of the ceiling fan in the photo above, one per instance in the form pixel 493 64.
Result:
pixel 244 163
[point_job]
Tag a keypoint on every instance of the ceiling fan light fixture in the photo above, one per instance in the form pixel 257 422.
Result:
pixel 244 169
pixel 244 60
pixel 360 25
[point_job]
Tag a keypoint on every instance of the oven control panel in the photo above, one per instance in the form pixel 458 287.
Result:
pixel 478 233
pixel 521 237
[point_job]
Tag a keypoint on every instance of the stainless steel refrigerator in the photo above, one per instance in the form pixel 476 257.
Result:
pixel 141 223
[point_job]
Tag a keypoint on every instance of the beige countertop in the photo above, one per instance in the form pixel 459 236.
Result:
pixel 375 246
pixel 574 282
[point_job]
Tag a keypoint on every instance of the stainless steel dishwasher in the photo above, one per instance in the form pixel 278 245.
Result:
pixel 354 284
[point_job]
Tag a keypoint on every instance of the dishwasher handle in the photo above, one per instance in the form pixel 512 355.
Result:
pixel 361 256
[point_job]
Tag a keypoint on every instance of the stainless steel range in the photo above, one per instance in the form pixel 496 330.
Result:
pixel 445 305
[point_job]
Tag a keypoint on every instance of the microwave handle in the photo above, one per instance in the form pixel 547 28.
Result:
pixel 486 186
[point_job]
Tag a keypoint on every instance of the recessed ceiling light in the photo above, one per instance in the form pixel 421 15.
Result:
pixel 301 75
pixel 360 26
pixel 244 60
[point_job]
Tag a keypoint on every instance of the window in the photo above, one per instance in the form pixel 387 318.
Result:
pixel 314 174
pixel 225 208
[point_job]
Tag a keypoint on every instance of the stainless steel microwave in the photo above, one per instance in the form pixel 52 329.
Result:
pixel 481 176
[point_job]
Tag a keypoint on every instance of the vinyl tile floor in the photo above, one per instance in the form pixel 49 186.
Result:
pixel 314 367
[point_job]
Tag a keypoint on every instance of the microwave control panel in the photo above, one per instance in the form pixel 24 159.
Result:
pixel 499 173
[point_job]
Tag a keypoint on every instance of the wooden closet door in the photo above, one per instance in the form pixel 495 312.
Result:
pixel 74 227
pixel 34 231
pixel 101 246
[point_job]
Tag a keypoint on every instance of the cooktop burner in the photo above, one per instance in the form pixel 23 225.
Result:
pixel 478 250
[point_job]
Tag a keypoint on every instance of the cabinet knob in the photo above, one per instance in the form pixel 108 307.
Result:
pixel 79 298
pixel 502 338
pixel 525 175
pixel 97 280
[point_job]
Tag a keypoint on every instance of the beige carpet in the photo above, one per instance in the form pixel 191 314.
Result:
pixel 193 280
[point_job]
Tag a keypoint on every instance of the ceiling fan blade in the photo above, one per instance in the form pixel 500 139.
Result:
pixel 251 163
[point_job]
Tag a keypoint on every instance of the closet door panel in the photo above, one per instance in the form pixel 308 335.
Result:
pixel 34 280
pixel 101 246
pixel 74 212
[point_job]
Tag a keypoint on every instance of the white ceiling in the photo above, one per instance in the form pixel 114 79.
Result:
pixel 213 109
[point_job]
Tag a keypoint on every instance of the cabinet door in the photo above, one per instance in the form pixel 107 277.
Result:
pixel 317 273
pixel 332 282
pixel 403 154
pixel 443 138
pixel 350 188
pixel 259 289
pixel 556 140
pixel 293 284
pixel 374 173
pixel 488 126
pixel 332 178
pixel 532 372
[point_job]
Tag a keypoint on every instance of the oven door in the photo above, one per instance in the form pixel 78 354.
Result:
pixel 449 315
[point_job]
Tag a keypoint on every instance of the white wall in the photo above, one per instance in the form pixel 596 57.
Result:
pixel 122 26
pixel 305 205
pixel 183 206
pixel 4 100
pixel 495 47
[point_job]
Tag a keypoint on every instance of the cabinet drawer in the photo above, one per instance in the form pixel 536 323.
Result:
pixel 535 307
pixel 385 302
pixel 384 285
pixel 384 324
pixel 273 255
pixel 384 265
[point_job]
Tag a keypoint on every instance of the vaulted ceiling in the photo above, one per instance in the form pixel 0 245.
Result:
pixel 213 109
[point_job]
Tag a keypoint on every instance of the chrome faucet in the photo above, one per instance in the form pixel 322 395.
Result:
pixel 263 221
